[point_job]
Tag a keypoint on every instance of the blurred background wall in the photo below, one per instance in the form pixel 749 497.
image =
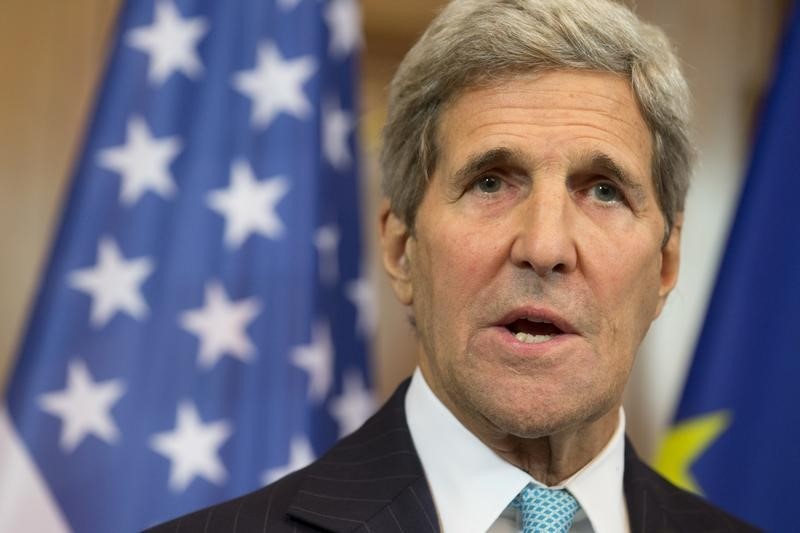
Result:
pixel 52 54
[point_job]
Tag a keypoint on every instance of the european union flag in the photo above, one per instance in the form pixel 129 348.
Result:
pixel 202 326
pixel 736 437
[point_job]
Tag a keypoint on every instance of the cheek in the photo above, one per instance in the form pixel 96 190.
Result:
pixel 628 291
pixel 462 261
pixel 451 278
pixel 454 279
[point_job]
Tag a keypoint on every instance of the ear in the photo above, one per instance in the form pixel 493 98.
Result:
pixel 670 262
pixel 395 240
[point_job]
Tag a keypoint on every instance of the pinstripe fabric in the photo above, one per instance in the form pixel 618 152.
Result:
pixel 657 506
pixel 372 481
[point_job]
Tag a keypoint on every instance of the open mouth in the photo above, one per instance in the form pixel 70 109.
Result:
pixel 533 330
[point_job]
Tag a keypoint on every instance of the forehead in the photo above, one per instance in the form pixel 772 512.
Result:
pixel 553 118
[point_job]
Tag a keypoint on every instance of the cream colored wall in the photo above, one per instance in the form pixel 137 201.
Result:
pixel 51 53
pixel 51 57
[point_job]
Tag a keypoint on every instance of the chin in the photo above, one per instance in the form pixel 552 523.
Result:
pixel 535 423
pixel 534 412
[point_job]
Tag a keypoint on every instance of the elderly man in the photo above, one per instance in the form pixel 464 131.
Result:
pixel 535 165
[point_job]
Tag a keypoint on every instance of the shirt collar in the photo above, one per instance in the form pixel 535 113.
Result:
pixel 472 486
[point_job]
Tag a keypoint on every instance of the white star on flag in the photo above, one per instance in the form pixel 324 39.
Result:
pixel 326 241
pixel 275 85
pixel 249 205
pixel 336 127
pixel 193 448
pixel 317 360
pixel 142 162
pixel 354 406
pixel 362 294
pixel 84 407
pixel 300 455
pixel 344 22
pixel 220 324
pixel 171 42
pixel 288 5
pixel 114 284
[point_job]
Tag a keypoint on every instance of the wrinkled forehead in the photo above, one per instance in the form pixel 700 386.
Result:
pixel 557 112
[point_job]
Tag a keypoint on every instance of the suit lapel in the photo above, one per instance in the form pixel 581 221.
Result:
pixel 370 481
pixel 644 495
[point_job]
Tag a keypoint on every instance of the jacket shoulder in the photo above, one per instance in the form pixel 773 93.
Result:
pixel 261 510
pixel 655 504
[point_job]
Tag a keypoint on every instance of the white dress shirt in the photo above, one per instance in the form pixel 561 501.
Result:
pixel 472 487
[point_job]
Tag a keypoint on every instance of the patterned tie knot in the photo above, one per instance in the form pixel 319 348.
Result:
pixel 545 510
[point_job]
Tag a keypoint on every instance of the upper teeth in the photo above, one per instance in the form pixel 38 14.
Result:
pixel 532 339
pixel 537 320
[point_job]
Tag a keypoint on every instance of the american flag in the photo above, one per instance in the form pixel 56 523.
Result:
pixel 201 329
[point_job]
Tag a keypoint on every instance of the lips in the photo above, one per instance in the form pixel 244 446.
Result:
pixel 535 325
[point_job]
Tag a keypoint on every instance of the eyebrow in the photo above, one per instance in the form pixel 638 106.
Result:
pixel 495 156
pixel 590 160
pixel 601 161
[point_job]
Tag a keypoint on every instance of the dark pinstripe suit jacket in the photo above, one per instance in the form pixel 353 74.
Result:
pixel 373 481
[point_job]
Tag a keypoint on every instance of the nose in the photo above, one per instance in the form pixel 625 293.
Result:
pixel 544 238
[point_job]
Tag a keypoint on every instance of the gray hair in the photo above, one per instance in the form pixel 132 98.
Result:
pixel 478 42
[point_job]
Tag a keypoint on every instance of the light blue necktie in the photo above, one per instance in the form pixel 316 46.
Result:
pixel 545 510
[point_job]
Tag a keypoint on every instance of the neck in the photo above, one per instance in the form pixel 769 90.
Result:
pixel 554 458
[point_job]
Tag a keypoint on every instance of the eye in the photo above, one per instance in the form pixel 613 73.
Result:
pixel 606 193
pixel 488 184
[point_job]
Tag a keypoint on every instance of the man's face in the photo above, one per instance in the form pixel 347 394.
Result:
pixel 536 263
